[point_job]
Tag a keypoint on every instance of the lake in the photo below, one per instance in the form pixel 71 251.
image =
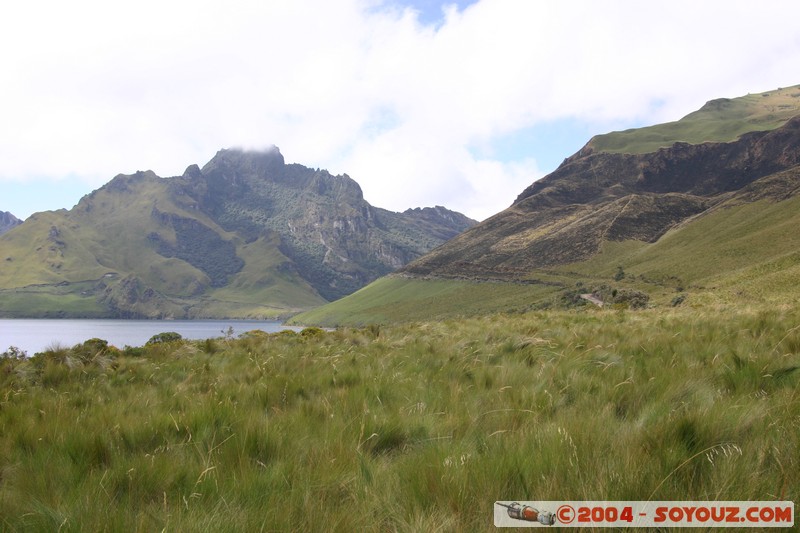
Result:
pixel 36 335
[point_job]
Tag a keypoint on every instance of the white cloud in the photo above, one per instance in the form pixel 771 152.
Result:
pixel 93 88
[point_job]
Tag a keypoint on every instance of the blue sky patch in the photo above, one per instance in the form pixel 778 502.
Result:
pixel 431 12
pixel 548 143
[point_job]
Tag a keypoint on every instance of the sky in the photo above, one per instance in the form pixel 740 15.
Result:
pixel 461 104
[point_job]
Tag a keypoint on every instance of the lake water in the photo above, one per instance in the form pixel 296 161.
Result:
pixel 36 335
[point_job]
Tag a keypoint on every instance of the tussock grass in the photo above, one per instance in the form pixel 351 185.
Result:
pixel 408 427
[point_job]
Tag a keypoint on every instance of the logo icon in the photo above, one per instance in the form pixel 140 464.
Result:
pixel 528 513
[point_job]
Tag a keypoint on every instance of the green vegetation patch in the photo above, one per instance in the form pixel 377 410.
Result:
pixel 52 301
pixel 400 299
pixel 416 427
pixel 721 120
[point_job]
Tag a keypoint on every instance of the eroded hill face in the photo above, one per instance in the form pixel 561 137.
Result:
pixel 594 197
pixel 247 235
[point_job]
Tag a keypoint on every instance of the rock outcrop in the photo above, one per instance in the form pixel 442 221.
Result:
pixel 8 222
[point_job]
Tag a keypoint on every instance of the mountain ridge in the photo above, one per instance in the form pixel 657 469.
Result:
pixel 246 235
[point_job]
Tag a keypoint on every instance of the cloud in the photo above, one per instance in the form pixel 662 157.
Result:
pixel 94 88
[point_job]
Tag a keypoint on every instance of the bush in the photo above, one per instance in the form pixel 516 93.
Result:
pixel 91 348
pixel 168 336
pixel 632 299
pixel 312 332
pixel 572 298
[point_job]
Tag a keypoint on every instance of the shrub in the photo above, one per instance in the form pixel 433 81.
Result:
pixel 168 336
pixel 631 298
pixel 91 348
pixel 312 332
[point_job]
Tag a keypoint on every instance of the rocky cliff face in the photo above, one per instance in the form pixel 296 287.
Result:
pixel 700 169
pixel 8 221
pixel 336 239
pixel 598 196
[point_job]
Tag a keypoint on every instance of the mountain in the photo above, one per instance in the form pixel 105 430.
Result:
pixel 8 221
pixel 247 235
pixel 687 207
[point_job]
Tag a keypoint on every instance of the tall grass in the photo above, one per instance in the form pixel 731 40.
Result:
pixel 417 427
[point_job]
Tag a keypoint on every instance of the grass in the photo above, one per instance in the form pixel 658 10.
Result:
pixel 415 427
pixel 720 120
pixel 51 301
pixel 394 298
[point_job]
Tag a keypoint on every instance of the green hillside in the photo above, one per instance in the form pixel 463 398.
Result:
pixel 720 120
pixel 101 257
pixel 402 299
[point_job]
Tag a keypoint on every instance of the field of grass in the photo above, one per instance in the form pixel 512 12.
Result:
pixel 400 299
pixel 51 301
pixel 415 427
pixel 720 120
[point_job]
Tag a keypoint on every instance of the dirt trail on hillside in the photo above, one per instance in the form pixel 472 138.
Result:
pixel 592 298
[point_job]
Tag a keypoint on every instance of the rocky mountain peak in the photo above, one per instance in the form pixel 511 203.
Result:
pixel 442 215
pixel 8 221
pixel 231 162
pixel 192 172
pixel 250 169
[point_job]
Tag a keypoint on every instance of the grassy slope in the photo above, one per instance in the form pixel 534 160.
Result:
pixel 743 251
pixel 404 428
pixel 720 121
pixel 49 301
pixel 30 255
pixel 398 299
pixel 120 245
pixel 261 286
